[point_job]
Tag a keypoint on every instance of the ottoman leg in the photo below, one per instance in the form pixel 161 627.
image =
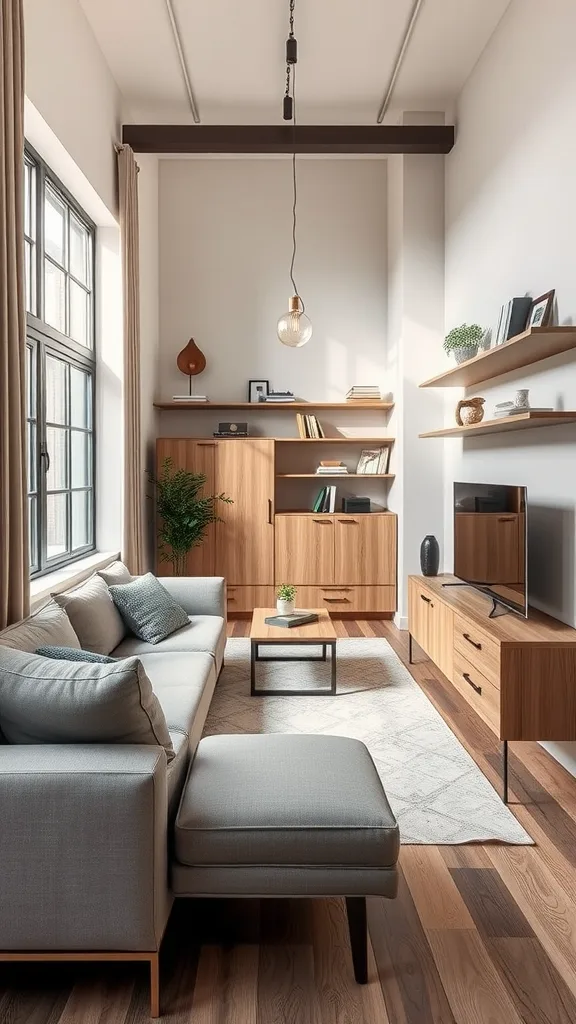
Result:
pixel 357 927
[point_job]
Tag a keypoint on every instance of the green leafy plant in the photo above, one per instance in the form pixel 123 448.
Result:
pixel 465 336
pixel 184 513
pixel 286 592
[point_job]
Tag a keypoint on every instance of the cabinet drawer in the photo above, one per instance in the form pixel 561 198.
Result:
pixel 477 690
pixel 348 599
pixel 245 599
pixel 478 648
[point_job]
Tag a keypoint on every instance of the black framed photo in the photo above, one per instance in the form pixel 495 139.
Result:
pixel 540 313
pixel 257 390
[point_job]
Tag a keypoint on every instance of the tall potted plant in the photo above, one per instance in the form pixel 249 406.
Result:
pixel 184 513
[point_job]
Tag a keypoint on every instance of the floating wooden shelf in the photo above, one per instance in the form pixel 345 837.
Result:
pixel 532 346
pixel 522 421
pixel 307 512
pixel 260 406
pixel 343 476
pixel 335 440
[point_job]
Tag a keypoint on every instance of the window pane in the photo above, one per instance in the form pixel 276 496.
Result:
pixel 57 444
pixel 54 296
pixel 81 459
pixel 32 478
pixel 79 314
pixel 79 248
pixel 54 226
pixel 27 230
pixel 56 523
pixel 81 518
pixel 29 276
pixel 55 390
pixel 30 382
pixel 80 398
pixel 32 537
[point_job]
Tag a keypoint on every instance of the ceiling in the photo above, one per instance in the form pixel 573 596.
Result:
pixel 235 56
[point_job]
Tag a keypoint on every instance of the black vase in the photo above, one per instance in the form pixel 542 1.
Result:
pixel 429 556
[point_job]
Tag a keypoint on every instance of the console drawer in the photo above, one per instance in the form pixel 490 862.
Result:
pixel 477 690
pixel 478 648
pixel 240 600
pixel 348 599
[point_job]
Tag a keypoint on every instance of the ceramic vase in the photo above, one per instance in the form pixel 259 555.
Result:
pixel 429 556
pixel 522 399
pixel 470 410
pixel 284 607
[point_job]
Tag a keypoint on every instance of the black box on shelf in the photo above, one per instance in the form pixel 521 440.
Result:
pixel 355 504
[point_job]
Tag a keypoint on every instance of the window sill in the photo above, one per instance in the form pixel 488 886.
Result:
pixel 69 576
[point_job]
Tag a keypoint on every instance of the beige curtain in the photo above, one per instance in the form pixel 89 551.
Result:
pixel 14 559
pixel 133 542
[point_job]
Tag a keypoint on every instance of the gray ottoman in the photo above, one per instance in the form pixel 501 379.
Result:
pixel 287 815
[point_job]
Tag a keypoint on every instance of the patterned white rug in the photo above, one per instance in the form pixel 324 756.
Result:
pixel 435 789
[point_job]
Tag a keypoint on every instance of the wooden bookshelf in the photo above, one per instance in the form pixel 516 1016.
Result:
pixel 261 406
pixel 532 346
pixel 343 476
pixel 522 421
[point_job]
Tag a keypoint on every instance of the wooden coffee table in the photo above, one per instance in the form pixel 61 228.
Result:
pixel 313 634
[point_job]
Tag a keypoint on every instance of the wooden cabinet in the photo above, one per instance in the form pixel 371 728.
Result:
pixel 353 600
pixel 365 549
pixel 245 538
pixel 432 626
pixel 196 457
pixel 241 600
pixel 304 549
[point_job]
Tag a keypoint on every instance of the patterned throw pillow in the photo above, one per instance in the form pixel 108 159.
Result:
pixel 147 608
pixel 72 654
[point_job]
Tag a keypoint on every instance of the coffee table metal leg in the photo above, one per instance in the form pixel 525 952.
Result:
pixel 333 667
pixel 253 656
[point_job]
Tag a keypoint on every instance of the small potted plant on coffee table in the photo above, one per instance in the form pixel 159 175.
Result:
pixel 463 341
pixel 285 599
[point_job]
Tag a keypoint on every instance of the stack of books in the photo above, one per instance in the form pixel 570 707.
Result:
pixel 325 500
pixel 332 469
pixel 374 461
pixel 364 393
pixel 189 398
pixel 513 317
pixel 278 396
pixel 308 426
pixel 509 409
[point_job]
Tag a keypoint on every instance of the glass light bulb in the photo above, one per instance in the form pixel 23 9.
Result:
pixel 294 327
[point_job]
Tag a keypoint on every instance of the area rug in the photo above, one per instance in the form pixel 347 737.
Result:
pixel 436 790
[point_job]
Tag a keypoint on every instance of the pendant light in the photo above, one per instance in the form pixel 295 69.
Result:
pixel 294 327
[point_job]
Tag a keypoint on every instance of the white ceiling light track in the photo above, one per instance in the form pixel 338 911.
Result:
pixel 418 4
pixel 182 60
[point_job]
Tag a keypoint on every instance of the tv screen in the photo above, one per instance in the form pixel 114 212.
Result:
pixel 490 541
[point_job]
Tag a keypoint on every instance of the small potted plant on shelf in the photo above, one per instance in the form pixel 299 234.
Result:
pixel 285 599
pixel 463 341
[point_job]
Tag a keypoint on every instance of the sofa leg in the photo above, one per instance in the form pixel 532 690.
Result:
pixel 358 929
pixel 154 985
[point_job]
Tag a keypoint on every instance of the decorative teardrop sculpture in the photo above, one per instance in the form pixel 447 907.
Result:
pixel 191 360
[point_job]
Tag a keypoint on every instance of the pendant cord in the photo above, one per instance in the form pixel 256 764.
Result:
pixel 294 183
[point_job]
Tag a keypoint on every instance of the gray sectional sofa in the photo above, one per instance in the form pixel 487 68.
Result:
pixel 84 844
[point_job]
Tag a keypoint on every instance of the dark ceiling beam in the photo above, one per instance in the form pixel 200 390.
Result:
pixel 354 139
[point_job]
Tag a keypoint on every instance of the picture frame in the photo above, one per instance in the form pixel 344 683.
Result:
pixel 540 313
pixel 256 388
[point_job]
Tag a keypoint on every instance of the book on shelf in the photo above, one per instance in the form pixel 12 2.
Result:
pixel 189 398
pixel 514 411
pixel 332 470
pixel 278 396
pixel 374 461
pixel 308 426
pixel 513 317
pixel 319 501
pixel 364 392
pixel 325 499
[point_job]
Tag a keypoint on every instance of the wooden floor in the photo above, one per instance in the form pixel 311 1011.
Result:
pixel 478 934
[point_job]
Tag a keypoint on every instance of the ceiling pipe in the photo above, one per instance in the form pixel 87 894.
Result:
pixel 418 4
pixel 182 59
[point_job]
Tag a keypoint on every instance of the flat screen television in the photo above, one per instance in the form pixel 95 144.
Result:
pixel 490 542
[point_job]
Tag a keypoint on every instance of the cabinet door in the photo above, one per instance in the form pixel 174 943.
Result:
pixel 365 549
pixel 418 618
pixel 196 457
pixel 440 636
pixel 305 550
pixel 245 539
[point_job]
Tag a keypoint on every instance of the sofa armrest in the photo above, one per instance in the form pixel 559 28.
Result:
pixel 198 595
pixel 83 847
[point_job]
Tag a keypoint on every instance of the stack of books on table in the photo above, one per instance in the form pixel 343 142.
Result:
pixel 278 396
pixel 325 499
pixel 364 393
pixel 189 398
pixel 332 469
pixel 308 425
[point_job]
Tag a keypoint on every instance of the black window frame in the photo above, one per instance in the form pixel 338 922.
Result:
pixel 46 341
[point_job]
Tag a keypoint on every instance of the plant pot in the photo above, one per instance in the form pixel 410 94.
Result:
pixel 465 352
pixel 284 607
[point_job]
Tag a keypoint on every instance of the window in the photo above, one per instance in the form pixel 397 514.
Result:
pixel 60 364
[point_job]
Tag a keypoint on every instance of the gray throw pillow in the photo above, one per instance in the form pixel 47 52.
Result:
pixel 72 654
pixel 47 701
pixel 94 618
pixel 149 611
pixel 116 572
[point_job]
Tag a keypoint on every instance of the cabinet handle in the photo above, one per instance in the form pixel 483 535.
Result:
pixel 471 641
pixel 354 521
pixel 427 599
pixel 269 511
pixel 509 519
pixel 323 522
pixel 337 600
pixel 337 588
pixel 470 683
pixel 207 444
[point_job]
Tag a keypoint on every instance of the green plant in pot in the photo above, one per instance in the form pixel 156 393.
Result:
pixel 463 341
pixel 184 513
pixel 285 596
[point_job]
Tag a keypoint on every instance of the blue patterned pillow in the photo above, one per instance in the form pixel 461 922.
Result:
pixel 71 654
pixel 147 608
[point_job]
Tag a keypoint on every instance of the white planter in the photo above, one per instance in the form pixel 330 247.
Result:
pixel 284 607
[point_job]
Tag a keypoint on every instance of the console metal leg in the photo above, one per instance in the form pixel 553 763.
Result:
pixel 505 772
pixel 410 661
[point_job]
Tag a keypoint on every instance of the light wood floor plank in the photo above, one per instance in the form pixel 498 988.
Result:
pixel 437 900
pixel 472 985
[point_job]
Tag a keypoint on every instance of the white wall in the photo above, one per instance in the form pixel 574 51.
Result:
pixel 510 230
pixel 149 327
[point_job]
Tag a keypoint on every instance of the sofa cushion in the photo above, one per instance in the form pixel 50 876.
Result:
pixel 202 634
pixel 47 701
pixel 114 573
pixel 285 800
pixel 73 654
pixel 149 611
pixel 48 626
pixel 96 622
